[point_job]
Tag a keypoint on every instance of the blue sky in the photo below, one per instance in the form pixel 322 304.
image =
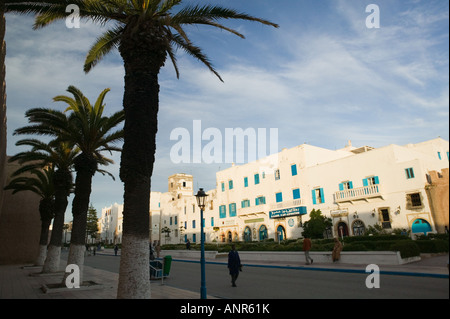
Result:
pixel 322 78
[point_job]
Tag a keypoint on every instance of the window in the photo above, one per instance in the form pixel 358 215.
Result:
pixel 260 200
pixel 212 221
pixel 317 196
pixel 296 193
pixel 245 181
pixel 409 173
pixel 413 201
pixel 232 208
pixel 294 169
pixel 439 155
pixel 256 179
pixel 176 220
pixel 170 221
pixel 222 211
pixel 185 225
pixel 277 174
pixel 223 186
pixel 358 228
pixel 372 180
pixel 346 185
pixel 230 184
pixel 279 197
pixel 193 223
pixel 245 203
pixel 385 218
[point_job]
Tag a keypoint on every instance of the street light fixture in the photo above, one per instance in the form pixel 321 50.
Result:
pixel 201 199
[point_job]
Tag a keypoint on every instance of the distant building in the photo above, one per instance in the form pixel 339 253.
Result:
pixel 395 187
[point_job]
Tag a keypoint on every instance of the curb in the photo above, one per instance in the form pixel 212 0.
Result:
pixel 344 270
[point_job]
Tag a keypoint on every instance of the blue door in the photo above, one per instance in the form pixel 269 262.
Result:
pixel 281 233
pixel 420 226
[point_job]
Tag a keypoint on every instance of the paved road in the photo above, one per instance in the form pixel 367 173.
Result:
pixel 276 283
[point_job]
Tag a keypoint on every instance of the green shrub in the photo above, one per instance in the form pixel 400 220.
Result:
pixel 407 249
pixel 355 247
pixel 433 246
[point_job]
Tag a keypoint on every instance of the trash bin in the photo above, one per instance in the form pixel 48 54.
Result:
pixel 167 263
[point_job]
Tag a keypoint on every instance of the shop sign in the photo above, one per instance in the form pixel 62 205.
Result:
pixel 285 212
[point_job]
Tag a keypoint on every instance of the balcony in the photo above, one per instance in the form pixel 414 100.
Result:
pixel 360 193
pixel 288 204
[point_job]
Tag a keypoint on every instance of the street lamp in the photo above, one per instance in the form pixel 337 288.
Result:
pixel 201 199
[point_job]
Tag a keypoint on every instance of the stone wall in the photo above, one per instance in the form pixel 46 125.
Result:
pixel 438 197
pixel 2 107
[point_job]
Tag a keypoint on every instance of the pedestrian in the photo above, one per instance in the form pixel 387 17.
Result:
pixel 116 249
pixel 94 249
pixel 152 251
pixel 158 249
pixel 188 245
pixel 234 265
pixel 306 249
pixel 336 254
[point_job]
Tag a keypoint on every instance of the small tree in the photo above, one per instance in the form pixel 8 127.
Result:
pixel 316 225
pixel 92 222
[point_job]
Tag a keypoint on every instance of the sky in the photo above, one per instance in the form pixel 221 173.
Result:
pixel 322 78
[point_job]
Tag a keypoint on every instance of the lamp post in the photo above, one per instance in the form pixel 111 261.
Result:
pixel 201 199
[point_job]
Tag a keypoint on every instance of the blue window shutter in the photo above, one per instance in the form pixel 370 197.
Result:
pixel 279 197
pixel 245 181
pixel 256 201
pixel 296 193
pixel 321 195
pixel 313 192
pixel 365 183
pixel 350 185
pixel 223 187
pixel 439 155
pixel 341 186
pixel 294 169
pixel 376 180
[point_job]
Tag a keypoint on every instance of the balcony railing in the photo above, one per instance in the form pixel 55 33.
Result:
pixel 287 204
pixel 359 193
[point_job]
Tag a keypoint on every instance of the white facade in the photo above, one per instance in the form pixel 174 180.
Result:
pixel 272 197
pixel 110 224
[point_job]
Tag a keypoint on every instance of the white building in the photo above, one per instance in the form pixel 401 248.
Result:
pixel 110 224
pixel 272 197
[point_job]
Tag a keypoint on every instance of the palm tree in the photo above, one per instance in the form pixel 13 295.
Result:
pixel 145 32
pixel 39 182
pixel 90 131
pixel 60 156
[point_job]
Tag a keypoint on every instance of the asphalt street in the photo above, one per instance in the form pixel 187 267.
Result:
pixel 285 283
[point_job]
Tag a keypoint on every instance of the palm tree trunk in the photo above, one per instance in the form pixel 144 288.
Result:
pixel 143 58
pixel 45 224
pixel 85 167
pixel 62 182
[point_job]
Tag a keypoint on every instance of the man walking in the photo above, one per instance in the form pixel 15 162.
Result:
pixel 306 249
pixel 234 264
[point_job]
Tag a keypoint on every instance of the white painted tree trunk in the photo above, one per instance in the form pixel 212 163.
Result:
pixel 134 274
pixel 76 257
pixel 53 259
pixel 42 255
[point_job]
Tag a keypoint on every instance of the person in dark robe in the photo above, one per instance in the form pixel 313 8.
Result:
pixel 234 265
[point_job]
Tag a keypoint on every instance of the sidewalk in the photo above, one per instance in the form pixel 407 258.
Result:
pixel 17 281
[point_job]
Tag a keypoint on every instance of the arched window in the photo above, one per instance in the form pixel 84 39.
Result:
pixel 263 233
pixel 358 228
pixel 247 234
